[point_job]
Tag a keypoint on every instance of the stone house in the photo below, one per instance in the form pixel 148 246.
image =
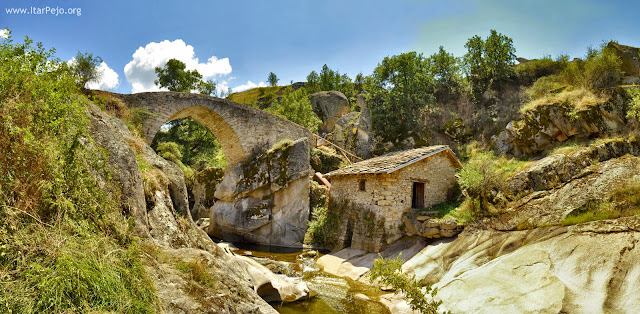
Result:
pixel 370 197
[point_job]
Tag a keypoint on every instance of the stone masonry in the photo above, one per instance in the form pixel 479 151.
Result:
pixel 239 128
pixel 373 218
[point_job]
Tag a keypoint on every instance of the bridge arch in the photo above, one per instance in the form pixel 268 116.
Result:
pixel 240 129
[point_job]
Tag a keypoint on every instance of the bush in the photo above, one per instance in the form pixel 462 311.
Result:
pixel 389 271
pixel 65 246
pixel 295 107
pixel 530 71
pixel 634 108
pixel 482 179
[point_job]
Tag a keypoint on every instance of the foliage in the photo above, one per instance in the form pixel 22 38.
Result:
pixel 260 97
pixel 489 61
pixel 207 87
pixel 389 271
pixel 272 79
pixel 176 78
pixel 328 80
pixel 634 108
pixel 399 88
pixel 191 143
pixel 446 73
pixel 295 107
pixel 322 226
pixel 531 70
pixel 579 98
pixel 85 68
pixel 483 176
pixel 65 246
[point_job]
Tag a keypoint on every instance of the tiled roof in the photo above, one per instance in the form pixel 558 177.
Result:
pixel 393 161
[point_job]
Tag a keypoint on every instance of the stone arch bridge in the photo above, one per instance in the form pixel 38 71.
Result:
pixel 239 128
pixel 263 197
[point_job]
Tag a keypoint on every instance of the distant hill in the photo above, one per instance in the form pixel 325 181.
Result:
pixel 262 97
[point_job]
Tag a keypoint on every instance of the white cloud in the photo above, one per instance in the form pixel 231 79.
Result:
pixel 4 33
pixel 140 71
pixel 248 85
pixel 108 80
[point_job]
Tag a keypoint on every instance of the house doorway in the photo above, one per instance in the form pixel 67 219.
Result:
pixel 417 199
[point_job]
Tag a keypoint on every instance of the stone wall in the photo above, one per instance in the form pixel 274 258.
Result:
pixel 374 216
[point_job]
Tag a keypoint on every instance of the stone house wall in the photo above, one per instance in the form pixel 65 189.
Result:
pixel 372 218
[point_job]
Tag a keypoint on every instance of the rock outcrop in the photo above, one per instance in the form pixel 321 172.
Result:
pixel 588 268
pixel 353 131
pixel 557 186
pixel 155 195
pixel 329 106
pixel 545 125
pixel 266 199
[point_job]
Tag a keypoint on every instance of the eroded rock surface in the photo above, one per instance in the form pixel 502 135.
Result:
pixel 266 199
pixel 587 268
pixel 329 106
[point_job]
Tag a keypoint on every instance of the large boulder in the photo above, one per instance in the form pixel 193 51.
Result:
pixel 329 106
pixel 266 199
pixel 353 131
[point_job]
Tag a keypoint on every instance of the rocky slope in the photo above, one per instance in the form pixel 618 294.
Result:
pixel 191 273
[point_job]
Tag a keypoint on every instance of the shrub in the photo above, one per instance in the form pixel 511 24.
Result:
pixel 482 179
pixel 389 271
pixel 65 246
pixel 295 107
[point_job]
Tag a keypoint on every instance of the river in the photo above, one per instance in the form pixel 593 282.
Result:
pixel 331 294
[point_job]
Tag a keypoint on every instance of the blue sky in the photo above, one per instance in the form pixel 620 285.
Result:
pixel 241 41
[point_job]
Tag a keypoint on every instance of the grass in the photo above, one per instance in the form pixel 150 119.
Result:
pixel 65 244
pixel 579 98
pixel 252 97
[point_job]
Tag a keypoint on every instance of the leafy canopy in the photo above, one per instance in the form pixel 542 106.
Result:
pixel 175 77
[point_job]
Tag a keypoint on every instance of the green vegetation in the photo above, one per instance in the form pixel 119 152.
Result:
pixel 399 90
pixel 176 78
pixel 489 62
pixel 329 79
pixel 321 228
pixel 272 79
pixel 634 108
pixel 389 272
pixel 65 245
pixel 295 107
pixel 85 68
pixel 482 177
pixel 260 97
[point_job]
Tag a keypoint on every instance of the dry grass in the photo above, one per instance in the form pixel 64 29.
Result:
pixel 580 98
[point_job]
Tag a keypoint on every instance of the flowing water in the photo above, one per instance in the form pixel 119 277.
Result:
pixel 331 294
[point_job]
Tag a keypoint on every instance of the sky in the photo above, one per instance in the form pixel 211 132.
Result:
pixel 237 43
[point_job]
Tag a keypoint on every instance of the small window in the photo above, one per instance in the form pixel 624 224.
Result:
pixel 417 199
pixel 363 185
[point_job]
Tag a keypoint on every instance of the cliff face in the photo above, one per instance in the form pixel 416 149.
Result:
pixel 190 272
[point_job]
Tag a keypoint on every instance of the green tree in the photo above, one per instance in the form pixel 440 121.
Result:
pixel 272 79
pixel 313 82
pixel 389 271
pixel 197 146
pixel 295 107
pixel 176 78
pixel 207 87
pixel 489 61
pixel 446 72
pixel 399 89
pixel 85 68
